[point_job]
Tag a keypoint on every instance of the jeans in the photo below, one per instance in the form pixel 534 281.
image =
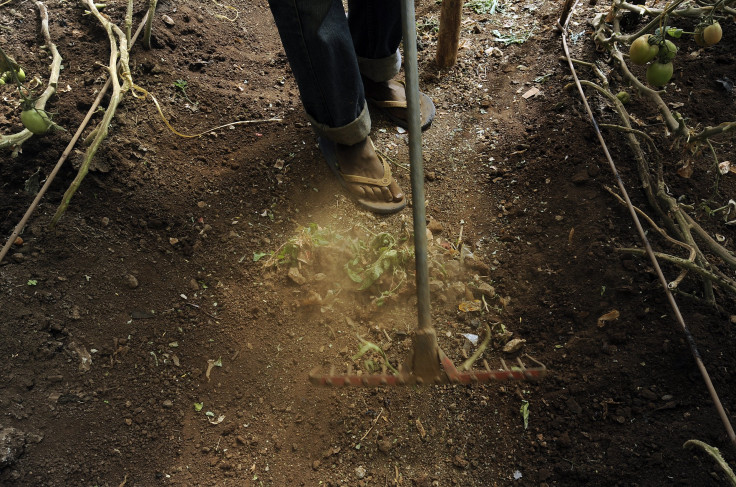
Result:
pixel 328 52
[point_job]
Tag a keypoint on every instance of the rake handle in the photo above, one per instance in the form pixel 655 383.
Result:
pixel 417 165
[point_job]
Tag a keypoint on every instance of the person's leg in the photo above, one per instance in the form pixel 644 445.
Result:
pixel 318 44
pixel 375 26
pixel 319 47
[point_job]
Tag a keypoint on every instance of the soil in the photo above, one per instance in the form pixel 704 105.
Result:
pixel 144 345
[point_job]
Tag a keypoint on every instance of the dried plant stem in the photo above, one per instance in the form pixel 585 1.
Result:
pixel 149 23
pixel 14 141
pixel 728 284
pixel 709 132
pixel 629 130
pixel 476 355
pixel 691 250
pixel 118 50
pixel 129 21
pixel 715 454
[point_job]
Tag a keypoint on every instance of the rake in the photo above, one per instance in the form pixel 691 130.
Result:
pixel 427 364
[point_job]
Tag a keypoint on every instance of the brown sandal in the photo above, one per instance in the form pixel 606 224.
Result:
pixel 427 109
pixel 346 180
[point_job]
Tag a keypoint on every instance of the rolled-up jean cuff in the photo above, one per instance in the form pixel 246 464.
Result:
pixel 382 69
pixel 349 134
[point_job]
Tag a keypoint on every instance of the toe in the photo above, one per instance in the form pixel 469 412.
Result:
pixel 395 190
pixel 386 194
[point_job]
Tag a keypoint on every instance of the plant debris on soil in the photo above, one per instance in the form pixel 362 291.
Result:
pixel 163 332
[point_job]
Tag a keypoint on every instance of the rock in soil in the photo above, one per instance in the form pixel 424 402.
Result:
pixel 131 281
pixel 12 445
pixel 296 276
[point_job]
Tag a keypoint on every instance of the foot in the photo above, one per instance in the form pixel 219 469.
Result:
pixel 362 160
pixel 390 96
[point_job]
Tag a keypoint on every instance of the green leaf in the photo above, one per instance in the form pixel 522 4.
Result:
pixel 368 346
pixel 525 413
pixel 354 276
pixel 198 406
pixel 210 414
pixel 675 32
pixel 259 255
pixel 32 282
pixel 218 363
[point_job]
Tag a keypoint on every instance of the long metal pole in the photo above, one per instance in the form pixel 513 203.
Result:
pixel 417 165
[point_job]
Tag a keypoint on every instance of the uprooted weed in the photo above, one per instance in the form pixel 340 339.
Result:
pixel 350 274
pixel 378 263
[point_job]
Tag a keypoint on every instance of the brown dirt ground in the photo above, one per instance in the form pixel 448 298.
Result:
pixel 522 178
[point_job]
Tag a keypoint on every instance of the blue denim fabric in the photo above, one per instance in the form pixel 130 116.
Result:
pixel 328 52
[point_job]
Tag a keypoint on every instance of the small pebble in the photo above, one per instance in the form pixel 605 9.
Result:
pixel 167 404
pixel 648 395
pixel 131 281
pixel 105 221
pixel 18 241
pixel 460 462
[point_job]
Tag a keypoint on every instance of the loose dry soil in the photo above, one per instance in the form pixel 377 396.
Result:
pixel 109 320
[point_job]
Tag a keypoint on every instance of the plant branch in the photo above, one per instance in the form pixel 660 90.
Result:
pixel 476 355
pixel 149 23
pixel 115 98
pixel 630 130
pixel 14 141
pixel 715 454
pixel 728 284
pixel 690 248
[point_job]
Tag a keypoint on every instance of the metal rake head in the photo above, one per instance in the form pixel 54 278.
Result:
pixel 448 374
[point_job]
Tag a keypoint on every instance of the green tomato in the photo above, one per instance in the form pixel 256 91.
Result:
pixel 641 52
pixel 21 74
pixel 668 51
pixel 658 74
pixel 712 34
pixel 623 97
pixel 37 121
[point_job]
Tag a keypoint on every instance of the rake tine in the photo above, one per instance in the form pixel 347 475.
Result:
pixel 540 364
pixel 449 374
pixel 527 375
pixel 401 377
